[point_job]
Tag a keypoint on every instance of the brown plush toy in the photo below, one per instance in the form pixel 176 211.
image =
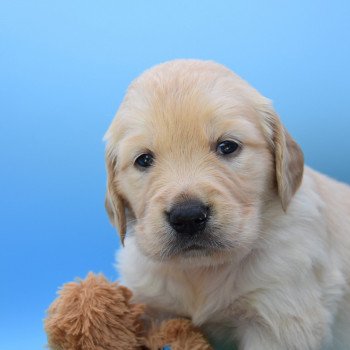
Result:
pixel 95 314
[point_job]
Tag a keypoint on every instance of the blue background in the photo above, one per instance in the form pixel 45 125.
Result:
pixel 64 67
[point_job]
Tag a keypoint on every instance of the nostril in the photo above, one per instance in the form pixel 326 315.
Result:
pixel 178 224
pixel 202 217
pixel 200 220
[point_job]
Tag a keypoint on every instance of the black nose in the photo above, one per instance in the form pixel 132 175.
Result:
pixel 188 217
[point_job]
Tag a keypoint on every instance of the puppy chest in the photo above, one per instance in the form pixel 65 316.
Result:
pixel 202 298
pixel 201 294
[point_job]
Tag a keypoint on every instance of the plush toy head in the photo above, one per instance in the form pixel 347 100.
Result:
pixel 95 314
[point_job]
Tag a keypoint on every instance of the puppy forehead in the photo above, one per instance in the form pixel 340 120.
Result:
pixel 186 90
pixel 184 136
pixel 185 101
pixel 190 84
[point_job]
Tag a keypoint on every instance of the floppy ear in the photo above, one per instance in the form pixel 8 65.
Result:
pixel 114 203
pixel 289 159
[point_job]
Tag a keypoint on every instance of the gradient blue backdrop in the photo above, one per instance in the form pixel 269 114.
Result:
pixel 64 67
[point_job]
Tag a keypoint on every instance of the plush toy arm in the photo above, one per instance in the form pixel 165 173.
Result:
pixel 177 334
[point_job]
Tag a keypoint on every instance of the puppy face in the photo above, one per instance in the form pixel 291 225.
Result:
pixel 193 155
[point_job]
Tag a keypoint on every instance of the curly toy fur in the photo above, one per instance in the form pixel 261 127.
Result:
pixel 95 314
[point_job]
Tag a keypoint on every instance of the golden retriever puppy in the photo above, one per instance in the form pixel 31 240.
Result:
pixel 220 220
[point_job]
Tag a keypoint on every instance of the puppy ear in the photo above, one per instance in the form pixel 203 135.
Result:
pixel 289 159
pixel 114 203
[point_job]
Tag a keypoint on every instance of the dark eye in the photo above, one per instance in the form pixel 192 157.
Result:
pixel 144 160
pixel 227 147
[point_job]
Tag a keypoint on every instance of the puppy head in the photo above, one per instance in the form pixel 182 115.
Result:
pixel 192 156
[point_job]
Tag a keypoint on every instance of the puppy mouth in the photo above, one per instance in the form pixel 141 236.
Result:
pixel 194 246
pixel 191 250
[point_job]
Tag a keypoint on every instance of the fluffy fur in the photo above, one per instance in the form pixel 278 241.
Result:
pixel 95 314
pixel 275 265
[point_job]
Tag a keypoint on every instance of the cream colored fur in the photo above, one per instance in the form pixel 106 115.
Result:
pixel 279 275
